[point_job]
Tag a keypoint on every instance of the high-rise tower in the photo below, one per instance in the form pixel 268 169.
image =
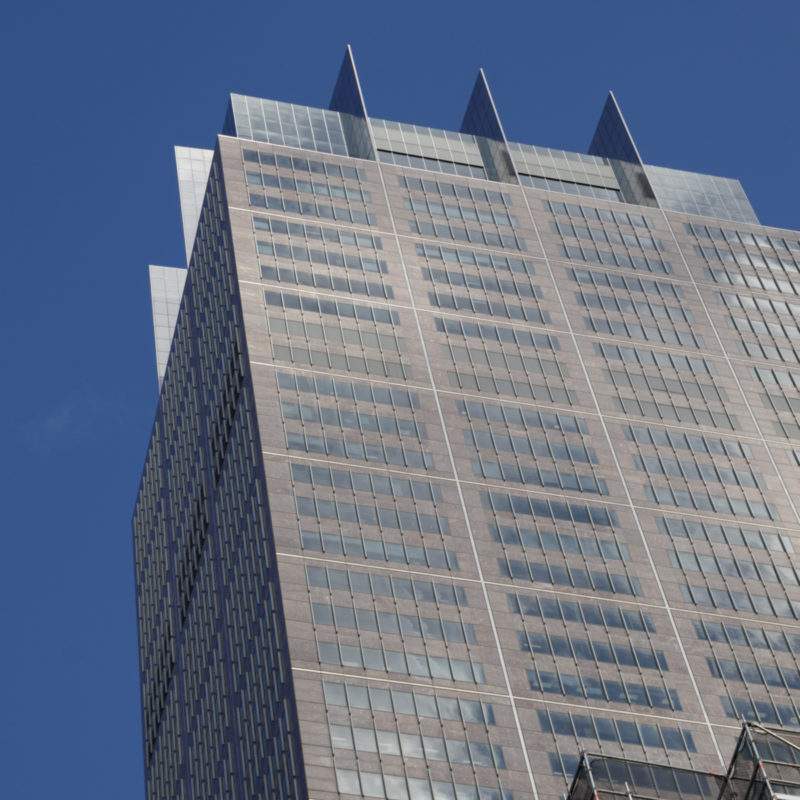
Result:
pixel 468 455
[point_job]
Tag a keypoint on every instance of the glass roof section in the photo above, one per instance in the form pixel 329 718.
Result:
pixel 419 140
pixel 286 124
pixel 706 195
pixel 452 152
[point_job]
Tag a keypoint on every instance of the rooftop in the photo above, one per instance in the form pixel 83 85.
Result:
pixel 612 169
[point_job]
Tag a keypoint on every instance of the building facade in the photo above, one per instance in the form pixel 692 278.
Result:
pixel 469 456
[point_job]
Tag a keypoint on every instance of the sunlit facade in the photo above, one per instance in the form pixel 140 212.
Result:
pixel 469 456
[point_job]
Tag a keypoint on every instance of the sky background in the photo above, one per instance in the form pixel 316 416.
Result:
pixel 95 95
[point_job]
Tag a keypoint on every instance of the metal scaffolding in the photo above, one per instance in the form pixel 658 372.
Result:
pixel 765 766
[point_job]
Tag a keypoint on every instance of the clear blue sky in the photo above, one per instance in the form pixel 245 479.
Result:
pixel 95 96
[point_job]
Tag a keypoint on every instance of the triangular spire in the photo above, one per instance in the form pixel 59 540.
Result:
pixel 612 140
pixel 612 137
pixel 482 121
pixel 481 117
pixel 347 98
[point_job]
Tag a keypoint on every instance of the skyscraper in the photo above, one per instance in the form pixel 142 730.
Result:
pixel 469 455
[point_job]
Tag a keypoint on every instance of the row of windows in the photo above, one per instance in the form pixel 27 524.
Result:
pixel 375 584
pixel 734 568
pixel 414 745
pixel 632 284
pixel 619 653
pixel 457 211
pixel 603 214
pixel 434 164
pixel 400 787
pixel 635 693
pixel 372 515
pixel 339 308
pixel 493 308
pixel 298 354
pixel 757 260
pixel 766 306
pixel 318 188
pixel 767 712
pixel 695 442
pixel 777 330
pixel 527 365
pixel 783 402
pixel 527 445
pixel 378 550
pixel 454 190
pixel 446 231
pixel 301 330
pixel 583 612
pixel 360 421
pixel 500 502
pixel 766 351
pixel 644 308
pixel 367 482
pixel 705 501
pixel 576 577
pixel 389 622
pixel 757 673
pixel 621 732
pixel 669 412
pixel 760 282
pixel 635 331
pixel 774 639
pixel 646 780
pixel 342 448
pixel 416 704
pixel 401 662
pixel 496 333
pixel 692 470
pixel 533 476
pixel 564 543
pixel 332 258
pixel 304 165
pixel 639 240
pixel 753 239
pixel 322 281
pixel 760 260
pixel 347 390
pixel 515 415
pixel 312 209
pixel 569 187
pixel 321 233
pixel 565 764
pixel 786 380
pixel 783 428
pixel 474 258
pixel 649 383
pixel 612 258
pixel 482 282
pixel 515 388
pixel 748 602
pixel 657 358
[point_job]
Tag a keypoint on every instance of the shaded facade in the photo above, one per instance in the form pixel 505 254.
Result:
pixel 469 456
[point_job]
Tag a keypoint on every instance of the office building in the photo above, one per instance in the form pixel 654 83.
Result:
pixel 469 456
